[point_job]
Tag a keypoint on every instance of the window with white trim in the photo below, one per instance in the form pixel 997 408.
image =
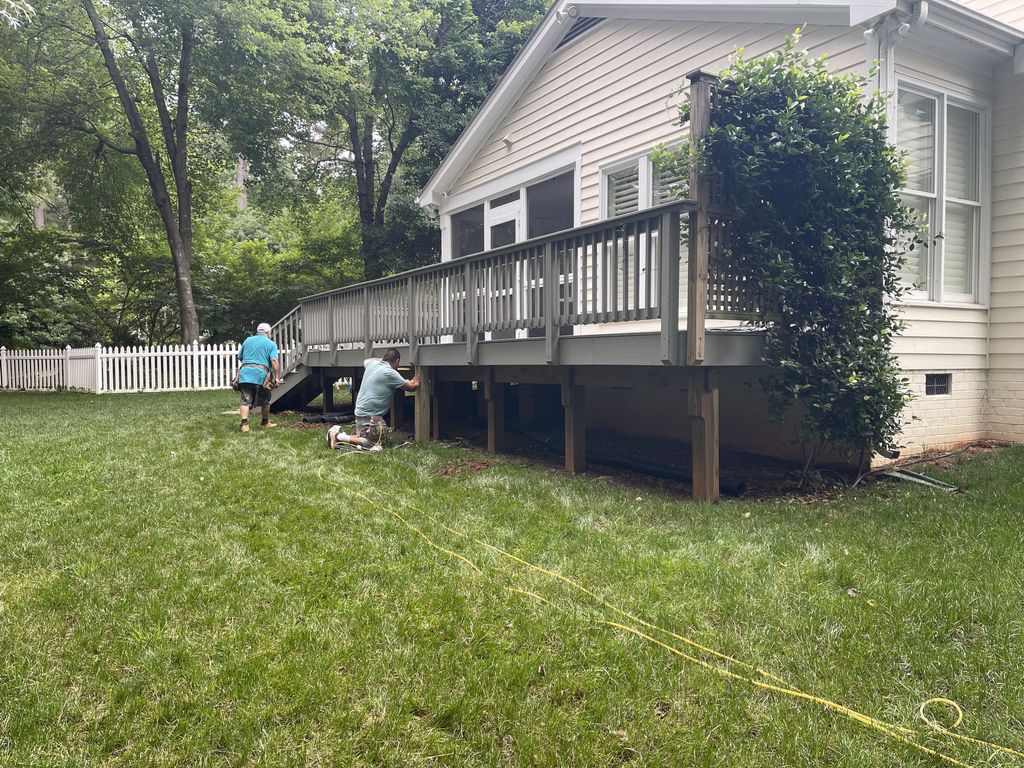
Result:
pixel 638 184
pixel 942 139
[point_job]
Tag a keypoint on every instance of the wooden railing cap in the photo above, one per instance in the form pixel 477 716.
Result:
pixel 700 75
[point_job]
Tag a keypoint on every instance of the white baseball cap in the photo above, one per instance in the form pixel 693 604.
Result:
pixel 263 328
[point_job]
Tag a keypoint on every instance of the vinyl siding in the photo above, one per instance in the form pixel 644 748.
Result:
pixel 1007 283
pixel 1006 378
pixel 1009 11
pixel 615 91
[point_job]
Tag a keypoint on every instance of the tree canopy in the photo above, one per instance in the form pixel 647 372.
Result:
pixel 126 120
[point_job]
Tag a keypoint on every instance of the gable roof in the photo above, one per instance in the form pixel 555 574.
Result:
pixel 998 37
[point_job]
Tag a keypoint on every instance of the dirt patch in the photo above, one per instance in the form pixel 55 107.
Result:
pixel 951 458
pixel 463 466
pixel 307 425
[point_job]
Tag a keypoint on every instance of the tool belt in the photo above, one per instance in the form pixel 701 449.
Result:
pixel 268 382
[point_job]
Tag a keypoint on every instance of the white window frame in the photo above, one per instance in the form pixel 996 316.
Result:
pixel 504 213
pixel 645 179
pixel 563 161
pixel 944 99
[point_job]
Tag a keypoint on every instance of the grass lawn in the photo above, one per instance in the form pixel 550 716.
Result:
pixel 175 593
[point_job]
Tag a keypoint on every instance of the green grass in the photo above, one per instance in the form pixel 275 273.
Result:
pixel 175 593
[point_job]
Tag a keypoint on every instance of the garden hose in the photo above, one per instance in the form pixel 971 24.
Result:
pixel 756 676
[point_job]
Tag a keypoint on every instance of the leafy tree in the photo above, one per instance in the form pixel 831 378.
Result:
pixel 15 12
pixel 408 77
pixel 157 92
pixel 824 260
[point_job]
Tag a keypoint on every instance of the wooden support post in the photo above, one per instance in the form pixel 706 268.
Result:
pixel 702 398
pixel 327 387
pixel 494 394
pixel 423 404
pixel 332 311
pixel 472 342
pixel 414 339
pixel 574 401
pixel 668 253
pixel 701 84
pixel 368 336
pixel 551 304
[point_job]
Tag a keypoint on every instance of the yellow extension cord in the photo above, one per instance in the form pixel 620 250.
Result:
pixel 779 686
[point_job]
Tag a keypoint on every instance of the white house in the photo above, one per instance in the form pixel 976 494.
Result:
pixel 565 138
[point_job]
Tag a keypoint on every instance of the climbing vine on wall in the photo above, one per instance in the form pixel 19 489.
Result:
pixel 803 156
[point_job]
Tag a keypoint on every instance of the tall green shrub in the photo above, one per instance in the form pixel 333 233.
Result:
pixel 804 157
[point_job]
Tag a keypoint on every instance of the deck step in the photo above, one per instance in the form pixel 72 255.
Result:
pixel 300 386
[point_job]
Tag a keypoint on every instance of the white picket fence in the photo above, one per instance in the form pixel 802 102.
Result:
pixel 160 368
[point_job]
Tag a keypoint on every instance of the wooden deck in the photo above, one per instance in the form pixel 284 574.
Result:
pixel 621 300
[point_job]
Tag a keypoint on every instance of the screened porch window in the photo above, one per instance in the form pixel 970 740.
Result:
pixel 943 142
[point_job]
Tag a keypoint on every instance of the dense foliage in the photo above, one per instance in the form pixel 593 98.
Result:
pixel 804 158
pixel 340 111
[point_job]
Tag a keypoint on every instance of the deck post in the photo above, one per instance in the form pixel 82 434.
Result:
pixel 702 398
pixel 574 401
pixel 414 341
pixel 668 252
pixel 332 311
pixel 701 84
pixel 472 343
pixel 368 343
pixel 424 396
pixel 494 395
pixel 551 327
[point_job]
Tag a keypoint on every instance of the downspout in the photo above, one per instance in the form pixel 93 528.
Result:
pixel 885 79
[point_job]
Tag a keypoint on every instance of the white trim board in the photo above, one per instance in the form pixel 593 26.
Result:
pixel 560 161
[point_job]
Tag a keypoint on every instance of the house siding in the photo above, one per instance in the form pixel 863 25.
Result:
pixel 1006 350
pixel 1008 11
pixel 615 91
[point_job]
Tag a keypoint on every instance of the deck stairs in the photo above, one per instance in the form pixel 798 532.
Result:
pixel 300 382
pixel 301 385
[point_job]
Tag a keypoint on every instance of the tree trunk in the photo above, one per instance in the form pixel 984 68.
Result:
pixel 177 224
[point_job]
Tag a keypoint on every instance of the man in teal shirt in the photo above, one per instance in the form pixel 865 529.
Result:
pixel 380 380
pixel 258 365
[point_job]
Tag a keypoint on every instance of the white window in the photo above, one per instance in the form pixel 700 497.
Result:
pixel 943 142
pixel 635 185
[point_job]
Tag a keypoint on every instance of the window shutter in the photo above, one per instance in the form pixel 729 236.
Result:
pixel 623 191
pixel 962 150
pixel 915 134
pixel 959 248
pixel 669 184
pixel 914 272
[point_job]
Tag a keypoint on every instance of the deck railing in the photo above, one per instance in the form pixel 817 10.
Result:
pixel 621 270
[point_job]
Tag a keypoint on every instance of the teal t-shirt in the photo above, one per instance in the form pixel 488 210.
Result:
pixel 380 381
pixel 256 349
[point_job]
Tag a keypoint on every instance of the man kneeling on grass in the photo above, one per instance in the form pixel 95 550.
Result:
pixel 380 380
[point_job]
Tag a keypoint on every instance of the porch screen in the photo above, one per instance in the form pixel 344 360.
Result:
pixel 468 232
pixel 551 205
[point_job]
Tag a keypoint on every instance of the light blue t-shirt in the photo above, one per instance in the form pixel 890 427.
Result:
pixel 380 381
pixel 256 349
